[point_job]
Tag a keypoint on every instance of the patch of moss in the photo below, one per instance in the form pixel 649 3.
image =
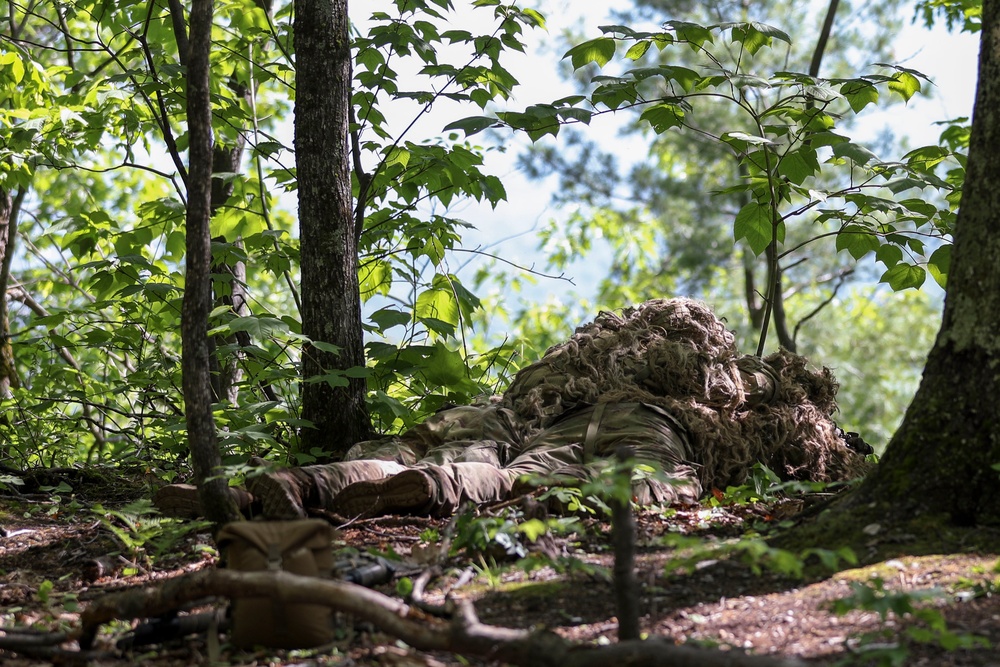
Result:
pixel 876 533
pixel 524 589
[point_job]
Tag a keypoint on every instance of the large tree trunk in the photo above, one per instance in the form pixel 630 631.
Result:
pixel 331 306
pixel 940 461
pixel 216 501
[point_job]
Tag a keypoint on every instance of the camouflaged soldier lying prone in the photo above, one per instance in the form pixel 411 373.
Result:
pixel 564 416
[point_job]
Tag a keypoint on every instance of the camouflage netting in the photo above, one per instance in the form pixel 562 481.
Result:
pixel 675 353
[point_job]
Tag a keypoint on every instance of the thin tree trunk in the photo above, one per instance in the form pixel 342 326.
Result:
pixel 229 278
pixel 331 306
pixel 775 276
pixel 216 502
pixel 8 230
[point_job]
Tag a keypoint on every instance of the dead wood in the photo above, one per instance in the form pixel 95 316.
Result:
pixel 45 646
pixel 463 634
pixel 103 566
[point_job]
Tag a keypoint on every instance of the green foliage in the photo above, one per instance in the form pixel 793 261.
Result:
pixel 791 128
pixel 691 552
pixel 764 485
pixel 743 148
pixel 971 588
pixel 929 625
pixel 96 138
pixel 145 535
pixel 965 14
pixel 492 541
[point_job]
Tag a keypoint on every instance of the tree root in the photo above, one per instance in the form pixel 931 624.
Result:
pixel 462 634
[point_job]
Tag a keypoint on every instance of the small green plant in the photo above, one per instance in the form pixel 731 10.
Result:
pixel 430 535
pixel 45 591
pixel 970 588
pixel 489 570
pixel 143 533
pixel 883 647
pixel 690 552
pixel 764 485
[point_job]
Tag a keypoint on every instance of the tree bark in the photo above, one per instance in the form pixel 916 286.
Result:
pixel 940 460
pixel 216 501
pixel 8 230
pixel 229 278
pixel 331 305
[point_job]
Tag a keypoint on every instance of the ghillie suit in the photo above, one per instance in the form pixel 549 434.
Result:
pixel 677 355
pixel 663 380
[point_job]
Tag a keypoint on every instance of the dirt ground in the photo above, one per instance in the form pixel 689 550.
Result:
pixel 59 554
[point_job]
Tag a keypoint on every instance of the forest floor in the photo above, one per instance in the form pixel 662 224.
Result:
pixel 59 551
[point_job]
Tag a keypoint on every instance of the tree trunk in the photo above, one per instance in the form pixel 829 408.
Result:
pixel 216 501
pixel 331 306
pixel 940 461
pixel 229 279
pixel 8 229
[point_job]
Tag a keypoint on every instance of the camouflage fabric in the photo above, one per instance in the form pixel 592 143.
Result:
pixel 677 355
pixel 461 447
pixel 446 434
pixel 663 378
pixel 581 442
pixel 481 472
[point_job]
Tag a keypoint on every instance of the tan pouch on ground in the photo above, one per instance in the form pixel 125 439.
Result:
pixel 299 547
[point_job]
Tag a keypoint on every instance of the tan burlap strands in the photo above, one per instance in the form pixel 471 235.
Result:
pixel 675 353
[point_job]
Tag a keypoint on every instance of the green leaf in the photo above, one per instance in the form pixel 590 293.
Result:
pixel 799 165
pixel 472 125
pixel 663 116
pixel 399 156
pixel 905 84
pixel 692 33
pixel 753 223
pixel 859 155
pixel 904 276
pixel 638 50
pixel 375 277
pixel 329 348
pixel 859 94
pixel 755 36
pixel 857 240
pixel 444 367
pixel 437 303
pixel 600 51
pixel 927 157
pixel 939 264
pixel 11 65
pixel 404 587
pixel 889 254
pixel 386 318
pixel 258 326
pixel 45 591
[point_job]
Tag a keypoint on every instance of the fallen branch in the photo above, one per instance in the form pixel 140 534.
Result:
pixel 462 634
pixel 45 646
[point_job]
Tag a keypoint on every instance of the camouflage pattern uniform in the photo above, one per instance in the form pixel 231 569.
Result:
pixel 480 453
